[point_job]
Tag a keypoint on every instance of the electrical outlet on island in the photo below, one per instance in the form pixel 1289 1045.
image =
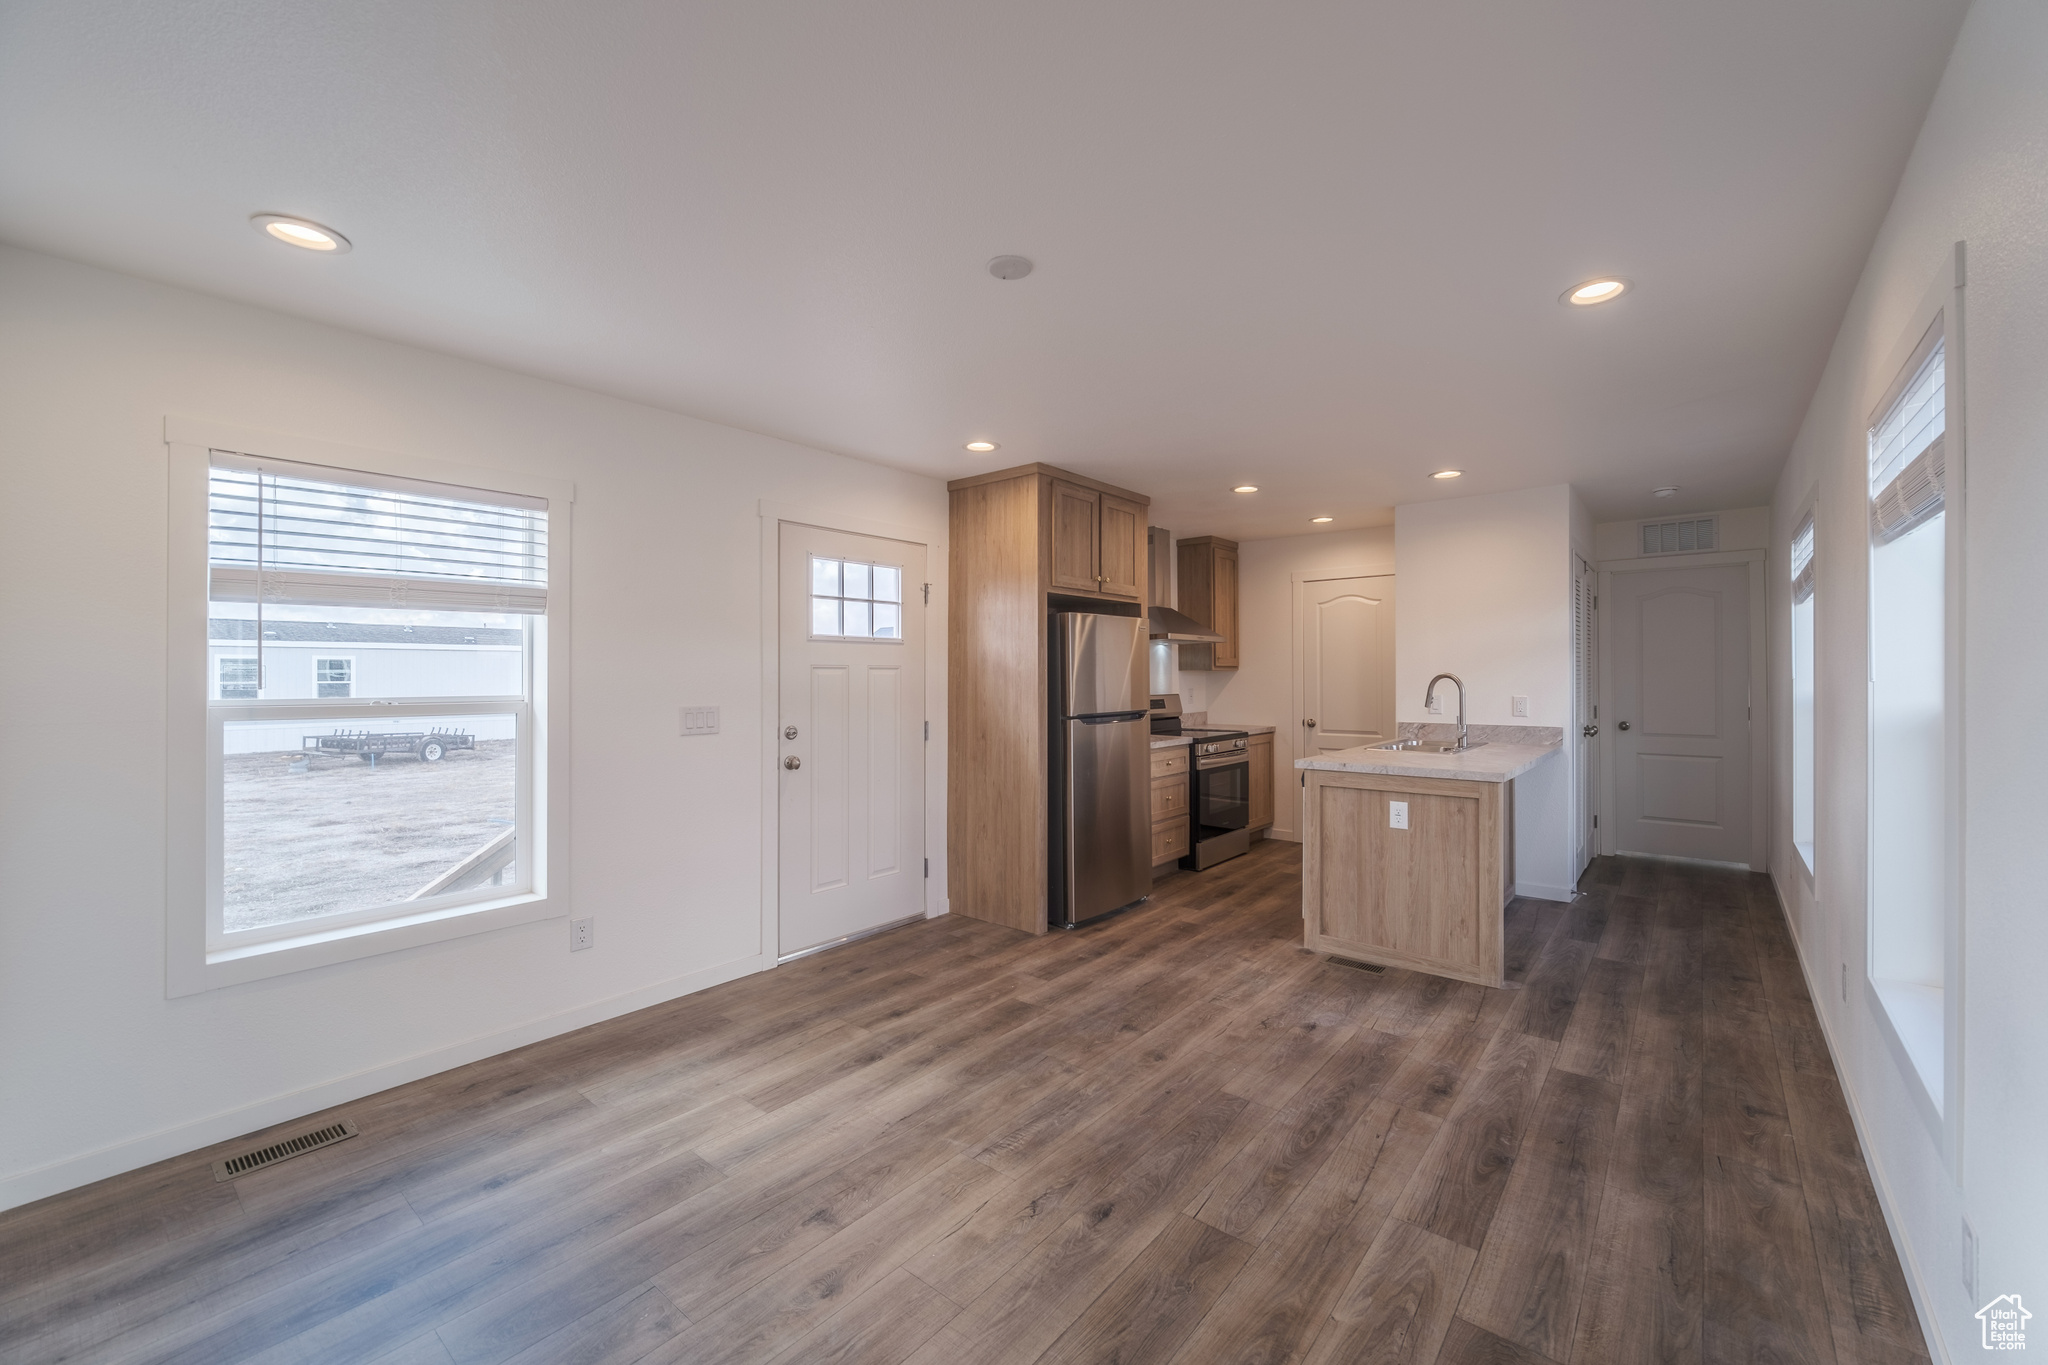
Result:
pixel 1397 815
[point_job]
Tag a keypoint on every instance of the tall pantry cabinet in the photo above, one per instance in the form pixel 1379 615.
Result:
pixel 1020 537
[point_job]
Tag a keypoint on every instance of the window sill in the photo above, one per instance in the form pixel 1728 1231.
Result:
pixel 1916 1020
pixel 238 963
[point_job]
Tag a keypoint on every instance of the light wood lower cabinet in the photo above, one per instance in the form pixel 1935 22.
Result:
pixel 1261 754
pixel 1428 897
pixel 1171 835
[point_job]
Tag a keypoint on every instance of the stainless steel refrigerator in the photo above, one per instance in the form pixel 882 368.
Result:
pixel 1101 824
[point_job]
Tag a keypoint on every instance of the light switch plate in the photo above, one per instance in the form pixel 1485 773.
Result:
pixel 700 720
pixel 1518 706
pixel 1397 815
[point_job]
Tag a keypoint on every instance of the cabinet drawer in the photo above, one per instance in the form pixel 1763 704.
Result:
pixel 1169 840
pixel 1169 796
pixel 1166 762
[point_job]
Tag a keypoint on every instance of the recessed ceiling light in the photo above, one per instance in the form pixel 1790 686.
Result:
pixel 1448 474
pixel 1595 291
pixel 1246 488
pixel 1320 520
pixel 1667 491
pixel 300 232
pixel 1009 267
pixel 979 447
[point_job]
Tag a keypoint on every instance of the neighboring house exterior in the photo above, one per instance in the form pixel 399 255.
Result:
pixel 336 659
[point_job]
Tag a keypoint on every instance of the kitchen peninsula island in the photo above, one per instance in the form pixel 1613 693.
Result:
pixel 1408 855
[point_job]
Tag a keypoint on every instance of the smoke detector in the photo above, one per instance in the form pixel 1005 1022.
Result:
pixel 1669 490
pixel 1009 267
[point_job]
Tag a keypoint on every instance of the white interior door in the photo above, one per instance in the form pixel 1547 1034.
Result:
pixel 1679 705
pixel 851 734
pixel 1345 674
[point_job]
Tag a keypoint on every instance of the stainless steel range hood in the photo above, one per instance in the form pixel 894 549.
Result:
pixel 1168 624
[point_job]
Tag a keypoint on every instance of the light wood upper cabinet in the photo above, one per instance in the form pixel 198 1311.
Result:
pixel 1076 537
pixel 1098 542
pixel 1208 593
pixel 1261 754
pixel 1122 542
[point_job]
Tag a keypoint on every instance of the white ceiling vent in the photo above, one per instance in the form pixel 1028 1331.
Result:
pixel 1680 537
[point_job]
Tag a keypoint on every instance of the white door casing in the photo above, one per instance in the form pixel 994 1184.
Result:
pixel 1585 705
pixel 1344 663
pixel 1677 717
pixel 851 713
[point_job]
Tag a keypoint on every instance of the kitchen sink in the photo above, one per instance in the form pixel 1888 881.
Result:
pixel 1430 746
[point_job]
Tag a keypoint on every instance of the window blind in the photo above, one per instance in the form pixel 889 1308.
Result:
pixel 1802 560
pixel 285 533
pixel 1908 470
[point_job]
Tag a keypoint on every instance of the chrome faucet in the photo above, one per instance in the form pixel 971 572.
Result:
pixel 1429 700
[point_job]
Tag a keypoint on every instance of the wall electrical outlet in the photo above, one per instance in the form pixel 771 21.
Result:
pixel 582 933
pixel 1435 705
pixel 1518 706
pixel 700 720
pixel 1397 815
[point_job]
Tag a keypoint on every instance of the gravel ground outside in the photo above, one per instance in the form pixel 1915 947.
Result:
pixel 345 836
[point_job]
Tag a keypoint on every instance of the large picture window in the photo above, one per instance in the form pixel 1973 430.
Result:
pixel 375 642
pixel 1909 663
pixel 1803 574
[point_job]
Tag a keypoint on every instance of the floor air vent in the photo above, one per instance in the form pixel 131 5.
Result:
pixel 1358 966
pixel 282 1151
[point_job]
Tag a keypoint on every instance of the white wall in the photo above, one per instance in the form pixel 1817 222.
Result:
pixel 1261 690
pixel 1485 593
pixel 100 1072
pixel 1979 174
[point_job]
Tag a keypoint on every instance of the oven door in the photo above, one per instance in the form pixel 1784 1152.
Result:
pixel 1223 793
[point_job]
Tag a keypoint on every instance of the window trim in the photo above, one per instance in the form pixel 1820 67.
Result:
pixel 191 965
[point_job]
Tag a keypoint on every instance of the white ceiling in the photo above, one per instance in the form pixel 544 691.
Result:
pixel 1313 246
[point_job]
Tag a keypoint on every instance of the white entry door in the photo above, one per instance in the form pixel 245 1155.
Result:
pixel 1346 670
pixel 851 734
pixel 1678 702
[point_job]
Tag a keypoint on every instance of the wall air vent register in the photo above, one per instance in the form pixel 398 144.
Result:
pixel 1680 537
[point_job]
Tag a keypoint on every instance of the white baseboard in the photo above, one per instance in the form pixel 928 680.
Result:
pixel 1916 1279
pixel 25 1187
pixel 1537 891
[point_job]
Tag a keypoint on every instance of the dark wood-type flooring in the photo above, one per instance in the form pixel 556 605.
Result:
pixel 1173 1137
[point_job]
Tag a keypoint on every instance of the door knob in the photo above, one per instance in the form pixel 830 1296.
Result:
pixel 792 763
pixel 1589 730
pixel 1309 724
pixel 789 732
pixel 1624 725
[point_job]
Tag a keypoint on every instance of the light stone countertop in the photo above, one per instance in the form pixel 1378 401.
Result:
pixel 1170 741
pixel 1248 729
pixel 1490 763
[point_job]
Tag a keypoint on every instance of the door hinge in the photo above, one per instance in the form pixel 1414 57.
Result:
pixel 927 869
pixel 1596 601
pixel 1596 822
pixel 927 594
pixel 927 732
